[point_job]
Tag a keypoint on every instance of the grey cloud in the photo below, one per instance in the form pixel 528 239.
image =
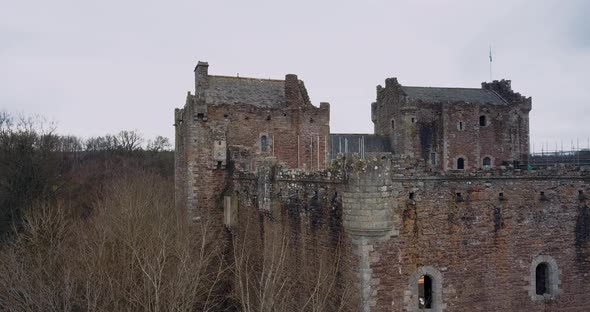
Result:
pixel 99 67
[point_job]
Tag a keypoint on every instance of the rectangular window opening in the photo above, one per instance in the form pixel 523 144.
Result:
pixel 482 121
pixel 412 195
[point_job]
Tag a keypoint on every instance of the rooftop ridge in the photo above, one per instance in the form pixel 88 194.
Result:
pixel 453 94
pixel 350 133
pixel 454 88
pixel 248 78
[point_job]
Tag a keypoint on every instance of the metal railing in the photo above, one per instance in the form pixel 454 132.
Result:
pixel 543 159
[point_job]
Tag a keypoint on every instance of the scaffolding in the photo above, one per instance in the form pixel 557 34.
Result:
pixel 573 157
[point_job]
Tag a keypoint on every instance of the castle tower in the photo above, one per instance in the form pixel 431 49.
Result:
pixel 368 208
pixel 455 128
pixel 234 123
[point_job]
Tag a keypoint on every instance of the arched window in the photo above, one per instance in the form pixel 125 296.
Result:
pixel 263 143
pixel 425 292
pixel 460 163
pixel 487 162
pixel 542 279
pixel 482 121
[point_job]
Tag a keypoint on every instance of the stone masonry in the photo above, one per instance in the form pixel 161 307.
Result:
pixel 484 233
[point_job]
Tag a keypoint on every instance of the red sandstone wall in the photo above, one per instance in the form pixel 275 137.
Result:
pixel 423 128
pixel 297 135
pixel 304 220
pixel 483 246
pixel 290 133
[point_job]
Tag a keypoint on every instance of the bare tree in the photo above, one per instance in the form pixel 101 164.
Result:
pixel 272 273
pixel 129 140
pixel 135 253
pixel 70 144
pixel 159 144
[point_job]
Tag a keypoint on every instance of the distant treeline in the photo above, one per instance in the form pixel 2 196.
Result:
pixel 39 165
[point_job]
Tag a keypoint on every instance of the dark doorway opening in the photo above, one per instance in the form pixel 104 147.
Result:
pixel 425 292
pixel 460 163
pixel 482 121
pixel 542 279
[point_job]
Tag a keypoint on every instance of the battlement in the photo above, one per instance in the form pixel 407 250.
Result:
pixel 504 89
pixel 407 167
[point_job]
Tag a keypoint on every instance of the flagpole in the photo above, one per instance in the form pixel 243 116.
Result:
pixel 490 63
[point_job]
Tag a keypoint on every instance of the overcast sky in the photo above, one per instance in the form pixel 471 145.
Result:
pixel 97 67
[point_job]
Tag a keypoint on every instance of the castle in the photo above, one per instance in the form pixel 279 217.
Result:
pixel 440 207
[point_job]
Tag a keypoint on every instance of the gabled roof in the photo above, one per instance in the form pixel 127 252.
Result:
pixel 232 90
pixel 443 95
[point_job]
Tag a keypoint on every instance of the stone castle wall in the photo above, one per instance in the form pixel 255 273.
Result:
pixel 302 211
pixel 478 234
pixel 389 219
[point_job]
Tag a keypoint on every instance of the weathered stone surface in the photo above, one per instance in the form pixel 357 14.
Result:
pixel 441 125
pixel 478 233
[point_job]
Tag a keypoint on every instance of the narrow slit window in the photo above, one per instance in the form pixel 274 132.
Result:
pixel 433 159
pixel 425 292
pixel 263 143
pixel 542 279
pixel 392 124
